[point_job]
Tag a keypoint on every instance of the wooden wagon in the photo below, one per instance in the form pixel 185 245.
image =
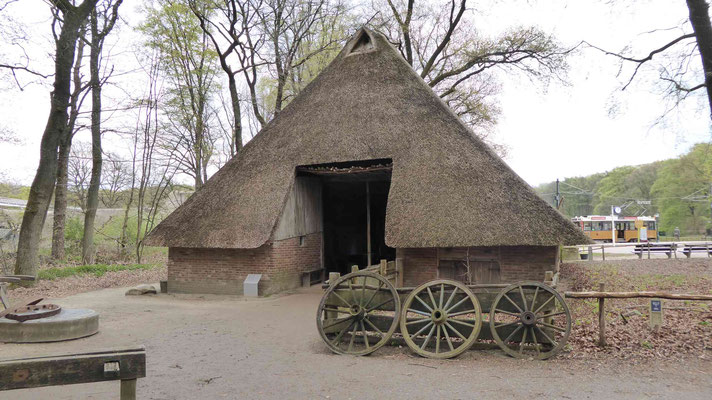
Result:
pixel 362 311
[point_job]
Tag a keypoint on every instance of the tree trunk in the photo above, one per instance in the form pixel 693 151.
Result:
pixel 65 146
pixel 88 250
pixel 700 20
pixel 237 130
pixel 60 201
pixel 55 131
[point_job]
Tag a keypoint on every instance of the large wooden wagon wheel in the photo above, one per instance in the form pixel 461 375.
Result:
pixel 441 319
pixel 358 313
pixel 530 319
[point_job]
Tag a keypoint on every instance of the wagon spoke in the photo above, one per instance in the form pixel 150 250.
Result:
pixel 337 340
pixel 380 285
pixel 368 321
pixel 452 328
pixel 449 300
pixel 473 311
pixel 442 294
pixel 524 339
pixel 337 309
pixel 514 332
pixel 506 324
pixel 552 341
pixel 382 304
pixel 524 299
pixel 554 314
pixel 462 323
pixel 363 292
pixel 432 298
pixel 341 298
pixel 513 303
pixel 427 339
pixel 447 338
pixel 338 321
pixel 423 303
pixel 422 329
pixel 437 340
pixel 457 304
pixel 557 328
pixel 353 336
pixel 507 312
pixel 541 307
pixel 417 321
pixel 365 337
pixel 419 312
pixel 536 344
pixel 536 291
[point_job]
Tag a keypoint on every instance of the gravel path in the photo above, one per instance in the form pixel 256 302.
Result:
pixel 211 347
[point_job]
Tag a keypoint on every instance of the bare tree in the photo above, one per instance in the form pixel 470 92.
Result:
pixel 224 23
pixel 102 21
pixel 191 67
pixel 674 58
pixel 72 19
pixel 438 40
pixel 116 179
pixel 79 174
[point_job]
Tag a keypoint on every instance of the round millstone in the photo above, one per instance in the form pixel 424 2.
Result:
pixel 67 325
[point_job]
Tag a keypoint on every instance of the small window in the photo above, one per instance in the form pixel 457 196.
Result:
pixel 363 44
pixel 302 241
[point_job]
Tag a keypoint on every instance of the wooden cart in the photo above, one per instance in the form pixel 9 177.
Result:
pixel 362 311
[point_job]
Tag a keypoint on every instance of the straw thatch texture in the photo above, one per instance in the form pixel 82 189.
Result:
pixel 448 188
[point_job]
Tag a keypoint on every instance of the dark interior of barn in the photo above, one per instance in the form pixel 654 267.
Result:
pixel 354 199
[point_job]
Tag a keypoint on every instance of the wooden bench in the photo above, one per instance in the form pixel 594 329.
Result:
pixel 125 365
pixel 691 248
pixel 311 277
pixel 655 248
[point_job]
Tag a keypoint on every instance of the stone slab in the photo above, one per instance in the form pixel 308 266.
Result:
pixel 67 325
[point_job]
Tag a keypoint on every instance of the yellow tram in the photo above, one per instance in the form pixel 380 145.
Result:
pixel 626 229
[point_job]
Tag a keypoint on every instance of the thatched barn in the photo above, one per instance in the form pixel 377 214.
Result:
pixel 366 163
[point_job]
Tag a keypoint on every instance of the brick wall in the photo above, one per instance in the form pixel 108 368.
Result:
pixel 516 263
pixel 222 271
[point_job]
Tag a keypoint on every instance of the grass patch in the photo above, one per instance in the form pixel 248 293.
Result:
pixel 96 270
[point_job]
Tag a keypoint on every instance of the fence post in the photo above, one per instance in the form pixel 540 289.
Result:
pixel 399 272
pixel 602 317
pixel 590 253
pixel 603 252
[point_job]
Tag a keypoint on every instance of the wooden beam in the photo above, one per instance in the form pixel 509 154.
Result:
pixel 633 295
pixel 110 365
pixel 368 223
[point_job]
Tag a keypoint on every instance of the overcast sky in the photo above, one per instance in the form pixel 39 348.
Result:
pixel 551 132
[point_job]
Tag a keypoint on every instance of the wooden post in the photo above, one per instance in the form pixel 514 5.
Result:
pixel 590 253
pixel 648 251
pixel 602 318
pixel 368 224
pixel 384 267
pixel 354 268
pixel 548 277
pixel 399 272
pixel 603 252
pixel 128 389
pixel 333 277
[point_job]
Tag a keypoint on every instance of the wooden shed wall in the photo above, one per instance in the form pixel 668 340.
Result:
pixel 505 264
pixel 302 213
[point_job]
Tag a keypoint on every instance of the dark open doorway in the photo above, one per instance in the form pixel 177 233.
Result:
pixel 355 195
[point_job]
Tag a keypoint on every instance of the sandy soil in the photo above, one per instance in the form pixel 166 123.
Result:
pixel 209 347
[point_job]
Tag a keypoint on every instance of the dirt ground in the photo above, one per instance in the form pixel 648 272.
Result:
pixel 210 347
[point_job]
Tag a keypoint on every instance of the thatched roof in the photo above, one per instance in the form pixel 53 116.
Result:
pixel 448 188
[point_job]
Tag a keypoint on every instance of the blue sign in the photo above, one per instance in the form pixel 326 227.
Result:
pixel 656 305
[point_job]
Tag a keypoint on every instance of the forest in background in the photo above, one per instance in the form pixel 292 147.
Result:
pixel 679 190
